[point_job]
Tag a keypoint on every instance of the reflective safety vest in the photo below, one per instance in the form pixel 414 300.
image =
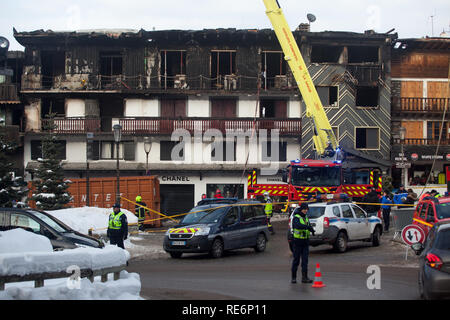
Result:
pixel 301 233
pixel 268 208
pixel 114 221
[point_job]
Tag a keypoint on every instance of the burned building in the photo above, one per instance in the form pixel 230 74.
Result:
pixel 200 81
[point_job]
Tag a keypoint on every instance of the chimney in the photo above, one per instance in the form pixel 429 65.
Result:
pixel 303 27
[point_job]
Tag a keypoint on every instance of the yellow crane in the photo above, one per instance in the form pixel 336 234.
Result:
pixel 323 135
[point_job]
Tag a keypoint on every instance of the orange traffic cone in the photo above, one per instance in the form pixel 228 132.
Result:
pixel 318 278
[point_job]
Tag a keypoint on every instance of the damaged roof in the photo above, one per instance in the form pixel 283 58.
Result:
pixel 222 34
pixel 434 43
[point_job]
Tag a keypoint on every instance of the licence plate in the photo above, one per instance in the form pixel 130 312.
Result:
pixel 178 243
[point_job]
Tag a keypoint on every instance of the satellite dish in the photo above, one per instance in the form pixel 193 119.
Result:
pixel 311 17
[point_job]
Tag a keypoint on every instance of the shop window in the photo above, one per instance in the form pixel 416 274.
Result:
pixel 367 96
pixel 328 96
pixel 362 54
pixel 227 190
pixel 166 148
pixel 173 68
pixel 274 70
pixel 326 54
pixel 367 138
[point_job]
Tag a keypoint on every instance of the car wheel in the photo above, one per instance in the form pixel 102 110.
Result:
pixel 376 237
pixel 260 243
pixel 217 248
pixel 341 242
pixel 176 255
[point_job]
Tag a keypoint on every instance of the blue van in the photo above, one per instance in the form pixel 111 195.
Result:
pixel 216 226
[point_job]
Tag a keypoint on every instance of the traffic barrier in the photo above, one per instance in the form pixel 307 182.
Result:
pixel 400 219
pixel 318 278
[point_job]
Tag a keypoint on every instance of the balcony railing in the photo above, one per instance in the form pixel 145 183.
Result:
pixel 433 105
pixel 422 142
pixel 8 92
pixel 167 126
pixel 74 125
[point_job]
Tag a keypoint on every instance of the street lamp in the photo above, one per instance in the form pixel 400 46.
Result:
pixel 117 137
pixel 147 148
pixel 402 131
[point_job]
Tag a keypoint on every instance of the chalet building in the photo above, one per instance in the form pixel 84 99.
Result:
pixel 214 86
pixel 420 71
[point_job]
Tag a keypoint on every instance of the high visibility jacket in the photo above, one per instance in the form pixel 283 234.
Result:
pixel 115 223
pixel 268 208
pixel 302 234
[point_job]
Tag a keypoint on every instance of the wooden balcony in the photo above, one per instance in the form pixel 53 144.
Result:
pixel 419 105
pixel 8 93
pixel 286 127
pixel 75 125
pixel 422 142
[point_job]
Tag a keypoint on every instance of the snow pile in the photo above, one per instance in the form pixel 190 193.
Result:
pixel 23 253
pixel 20 240
pixel 83 219
pixel 127 287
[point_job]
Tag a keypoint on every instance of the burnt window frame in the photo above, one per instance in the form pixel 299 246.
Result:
pixel 324 48
pixel 350 49
pixel 377 87
pixel 269 82
pixel 336 104
pixel 166 82
pixel 217 75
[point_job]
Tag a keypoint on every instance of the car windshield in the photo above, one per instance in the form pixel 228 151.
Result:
pixel 204 215
pixel 315 176
pixel 443 211
pixel 315 212
pixel 443 240
pixel 52 223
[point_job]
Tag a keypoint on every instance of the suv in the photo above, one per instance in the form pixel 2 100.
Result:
pixel 339 223
pixel 431 210
pixel 61 236
pixel 216 227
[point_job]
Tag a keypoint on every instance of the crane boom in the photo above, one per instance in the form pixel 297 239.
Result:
pixel 323 135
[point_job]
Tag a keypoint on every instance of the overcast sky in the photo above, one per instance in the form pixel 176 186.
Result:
pixel 410 18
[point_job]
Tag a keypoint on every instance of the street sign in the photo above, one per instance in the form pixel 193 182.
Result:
pixel 412 234
pixel 405 165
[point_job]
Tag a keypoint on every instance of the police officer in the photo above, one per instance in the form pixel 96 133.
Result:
pixel 139 211
pixel 117 227
pixel 268 209
pixel 301 229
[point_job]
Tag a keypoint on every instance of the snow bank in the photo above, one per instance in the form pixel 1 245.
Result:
pixel 20 241
pixel 84 258
pixel 83 219
pixel 127 287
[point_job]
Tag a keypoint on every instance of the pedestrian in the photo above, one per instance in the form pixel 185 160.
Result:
pixel 117 227
pixel 411 198
pixel 268 209
pixel 386 200
pixel 301 229
pixel 371 198
pixel 401 190
pixel 139 211
pixel 218 194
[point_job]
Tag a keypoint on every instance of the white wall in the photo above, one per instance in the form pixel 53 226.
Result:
pixel 141 108
pixel 75 151
pixel 75 108
pixel 246 108
pixel 198 107
pixel 294 109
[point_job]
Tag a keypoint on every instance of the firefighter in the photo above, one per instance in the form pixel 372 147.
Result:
pixel 301 229
pixel 268 209
pixel 139 211
pixel 117 227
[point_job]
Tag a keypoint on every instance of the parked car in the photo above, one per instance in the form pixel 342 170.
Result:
pixel 434 262
pixel 61 236
pixel 339 223
pixel 218 226
pixel 431 210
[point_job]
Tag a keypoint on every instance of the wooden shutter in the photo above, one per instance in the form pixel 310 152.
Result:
pixel 223 108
